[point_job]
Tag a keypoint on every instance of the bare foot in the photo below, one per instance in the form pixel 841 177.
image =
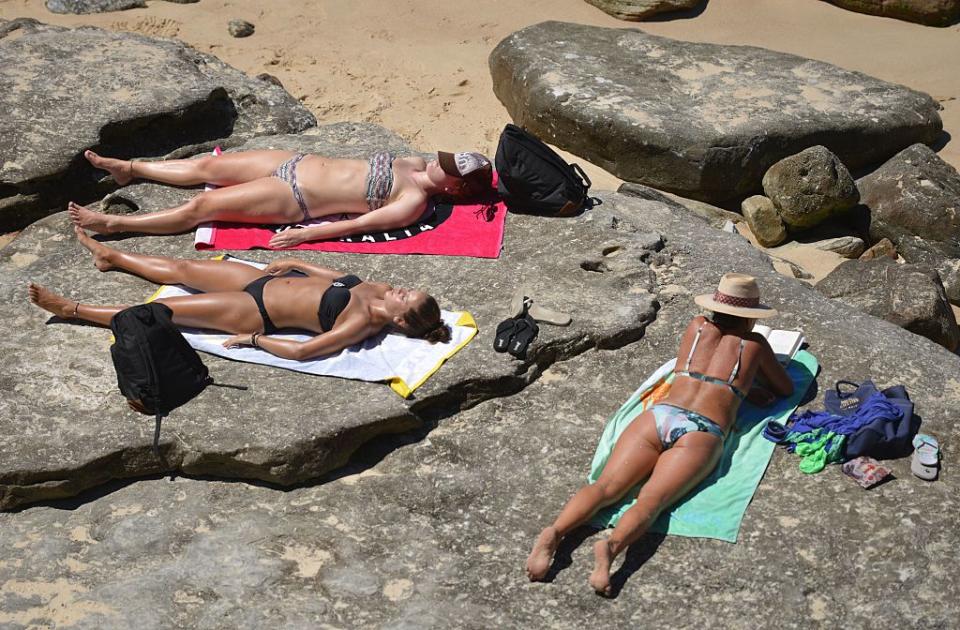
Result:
pixel 88 219
pixel 538 563
pixel 120 170
pixel 101 253
pixel 50 301
pixel 600 578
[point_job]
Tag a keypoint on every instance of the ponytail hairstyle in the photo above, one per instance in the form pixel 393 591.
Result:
pixel 424 322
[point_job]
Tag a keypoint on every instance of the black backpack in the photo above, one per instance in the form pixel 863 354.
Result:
pixel 157 370
pixel 534 179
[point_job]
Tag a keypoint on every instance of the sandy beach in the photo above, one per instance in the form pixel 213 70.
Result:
pixel 420 68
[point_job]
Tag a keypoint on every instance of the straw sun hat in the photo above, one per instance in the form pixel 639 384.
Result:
pixel 737 294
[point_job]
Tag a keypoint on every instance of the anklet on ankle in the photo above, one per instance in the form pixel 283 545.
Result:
pixel 75 310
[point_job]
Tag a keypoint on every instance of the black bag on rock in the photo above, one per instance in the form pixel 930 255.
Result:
pixel 534 179
pixel 157 370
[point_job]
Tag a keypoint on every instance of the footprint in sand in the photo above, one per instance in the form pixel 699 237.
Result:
pixel 150 25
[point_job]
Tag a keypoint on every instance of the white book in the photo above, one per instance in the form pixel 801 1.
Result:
pixel 785 343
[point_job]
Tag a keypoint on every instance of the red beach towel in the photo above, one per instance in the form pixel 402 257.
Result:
pixel 474 229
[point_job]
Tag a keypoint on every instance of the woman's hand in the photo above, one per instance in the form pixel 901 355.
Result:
pixel 281 267
pixel 288 238
pixel 238 341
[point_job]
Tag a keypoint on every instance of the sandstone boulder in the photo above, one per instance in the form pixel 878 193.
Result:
pixel 704 121
pixel 929 12
pixel 883 247
pixel 431 529
pixel 177 101
pixel 56 440
pixel 846 246
pixel 914 200
pixel 910 296
pixel 636 10
pixel 810 187
pixel 764 221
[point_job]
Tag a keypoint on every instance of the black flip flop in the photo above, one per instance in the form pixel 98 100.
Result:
pixel 525 332
pixel 505 330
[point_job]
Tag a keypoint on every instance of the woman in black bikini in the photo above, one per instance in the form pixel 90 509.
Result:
pixel 253 304
pixel 675 443
pixel 282 187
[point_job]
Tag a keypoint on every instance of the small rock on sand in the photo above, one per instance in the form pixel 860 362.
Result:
pixel 846 246
pixel 241 28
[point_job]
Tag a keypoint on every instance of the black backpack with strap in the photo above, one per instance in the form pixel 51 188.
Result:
pixel 157 370
pixel 534 179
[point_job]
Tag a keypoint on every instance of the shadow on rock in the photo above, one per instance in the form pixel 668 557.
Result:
pixel 563 558
pixel 673 16
pixel 637 555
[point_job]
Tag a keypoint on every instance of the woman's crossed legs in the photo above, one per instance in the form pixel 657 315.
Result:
pixel 637 454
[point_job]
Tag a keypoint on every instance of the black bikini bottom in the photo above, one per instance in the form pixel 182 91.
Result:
pixel 255 289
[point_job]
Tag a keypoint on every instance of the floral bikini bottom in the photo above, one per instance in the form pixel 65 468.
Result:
pixel 674 422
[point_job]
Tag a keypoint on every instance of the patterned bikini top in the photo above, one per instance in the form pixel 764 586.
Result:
pixel 711 379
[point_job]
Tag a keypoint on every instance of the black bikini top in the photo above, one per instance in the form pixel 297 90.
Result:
pixel 334 300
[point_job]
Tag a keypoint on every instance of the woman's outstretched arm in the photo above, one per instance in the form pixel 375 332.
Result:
pixel 400 213
pixel 342 336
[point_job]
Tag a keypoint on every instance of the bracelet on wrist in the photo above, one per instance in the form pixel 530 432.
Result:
pixel 255 340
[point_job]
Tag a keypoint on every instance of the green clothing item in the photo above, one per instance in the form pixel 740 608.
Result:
pixel 715 508
pixel 816 450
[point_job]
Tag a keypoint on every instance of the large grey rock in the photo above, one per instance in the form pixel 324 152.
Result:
pixel 704 121
pixel 56 440
pixel 914 200
pixel 929 12
pixel 80 7
pixel 431 529
pixel 636 10
pixel 764 221
pixel 910 296
pixel 93 6
pixel 810 187
pixel 66 90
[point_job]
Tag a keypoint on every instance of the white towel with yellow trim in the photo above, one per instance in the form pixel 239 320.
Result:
pixel 403 362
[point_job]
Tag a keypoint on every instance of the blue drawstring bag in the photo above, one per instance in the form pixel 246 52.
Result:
pixel 882 438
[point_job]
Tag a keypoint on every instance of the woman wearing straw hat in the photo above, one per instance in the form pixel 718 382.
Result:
pixel 283 187
pixel 678 441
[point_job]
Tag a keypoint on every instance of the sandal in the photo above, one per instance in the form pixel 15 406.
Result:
pixel 926 457
pixel 525 332
pixel 505 330
pixel 522 303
